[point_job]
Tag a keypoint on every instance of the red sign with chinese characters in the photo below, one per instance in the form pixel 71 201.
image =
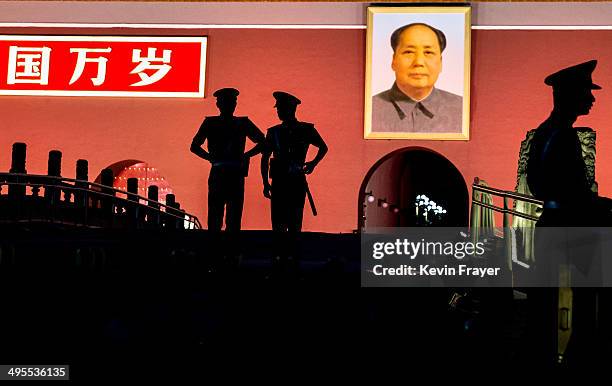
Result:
pixel 132 66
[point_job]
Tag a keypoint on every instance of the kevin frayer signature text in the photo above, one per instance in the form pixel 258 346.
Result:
pixel 427 270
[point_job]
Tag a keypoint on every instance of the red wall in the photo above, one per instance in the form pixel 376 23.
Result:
pixel 325 68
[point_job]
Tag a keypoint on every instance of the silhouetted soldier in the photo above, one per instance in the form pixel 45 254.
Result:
pixel 288 144
pixel 226 136
pixel 556 174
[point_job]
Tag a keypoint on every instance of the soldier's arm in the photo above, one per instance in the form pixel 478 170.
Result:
pixel 322 148
pixel 198 141
pixel 257 137
pixel 265 167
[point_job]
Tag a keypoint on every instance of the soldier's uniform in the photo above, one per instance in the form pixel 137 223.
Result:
pixel 288 142
pixel 556 174
pixel 226 140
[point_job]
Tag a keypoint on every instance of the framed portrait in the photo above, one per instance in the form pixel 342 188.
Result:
pixel 418 73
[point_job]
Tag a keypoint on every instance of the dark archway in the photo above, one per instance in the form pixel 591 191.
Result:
pixel 394 182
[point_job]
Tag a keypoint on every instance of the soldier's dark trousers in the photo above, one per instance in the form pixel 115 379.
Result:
pixel 288 197
pixel 225 192
pixel 559 239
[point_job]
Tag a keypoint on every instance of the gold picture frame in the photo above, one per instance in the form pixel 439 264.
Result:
pixel 416 68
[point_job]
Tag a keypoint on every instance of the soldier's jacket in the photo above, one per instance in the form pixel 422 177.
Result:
pixel 556 169
pixel 288 143
pixel 226 139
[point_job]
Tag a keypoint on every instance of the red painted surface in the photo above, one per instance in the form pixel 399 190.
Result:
pixel 325 68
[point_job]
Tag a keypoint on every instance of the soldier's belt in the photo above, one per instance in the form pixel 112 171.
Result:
pixel 235 164
pixel 285 167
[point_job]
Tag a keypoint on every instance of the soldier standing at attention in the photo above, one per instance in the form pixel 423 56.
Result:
pixel 556 174
pixel 226 135
pixel 288 144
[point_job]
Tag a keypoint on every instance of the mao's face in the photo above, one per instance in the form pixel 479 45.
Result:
pixel 417 60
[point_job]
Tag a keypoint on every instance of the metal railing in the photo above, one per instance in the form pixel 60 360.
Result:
pixel 507 211
pixel 41 198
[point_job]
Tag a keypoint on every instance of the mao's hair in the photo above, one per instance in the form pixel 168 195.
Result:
pixel 395 36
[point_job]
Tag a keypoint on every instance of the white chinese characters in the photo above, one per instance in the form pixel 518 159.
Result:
pixel 145 64
pixel 82 59
pixel 32 65
pixel 28 65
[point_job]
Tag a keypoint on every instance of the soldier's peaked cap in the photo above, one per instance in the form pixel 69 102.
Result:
pixel 227 92
pixel 286 98
pixel 574 76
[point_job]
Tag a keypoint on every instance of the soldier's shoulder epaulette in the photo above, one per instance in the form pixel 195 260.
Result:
pixel 306 124
pixel 275 127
